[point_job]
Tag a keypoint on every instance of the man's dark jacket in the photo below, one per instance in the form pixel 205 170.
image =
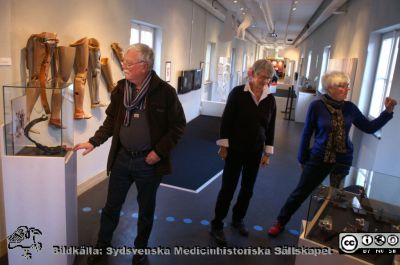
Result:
pixel 165 117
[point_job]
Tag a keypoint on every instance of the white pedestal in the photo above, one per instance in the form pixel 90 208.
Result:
pixel 40 193
pixel 333 259
pixel 303 102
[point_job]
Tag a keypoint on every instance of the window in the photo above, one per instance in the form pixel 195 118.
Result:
pixel 210 58
pixel 324 66
pixel 308 64
pixel 142 34
pixel 244 66
pixel 384 72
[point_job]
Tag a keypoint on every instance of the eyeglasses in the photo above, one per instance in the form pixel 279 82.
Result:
pixel 263 77
pixel 130 65
pixel 341 85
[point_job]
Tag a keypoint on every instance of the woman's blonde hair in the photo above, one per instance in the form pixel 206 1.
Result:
pixel 334 79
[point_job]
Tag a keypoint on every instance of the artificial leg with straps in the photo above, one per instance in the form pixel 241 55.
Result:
pixel 94 73
pixel 81 65
pixel 63 64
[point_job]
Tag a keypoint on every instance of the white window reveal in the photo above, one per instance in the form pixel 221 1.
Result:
pixel 384 72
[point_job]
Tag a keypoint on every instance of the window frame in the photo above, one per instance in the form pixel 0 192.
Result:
pixel 388 77
pixel 142 28
pixel 326 55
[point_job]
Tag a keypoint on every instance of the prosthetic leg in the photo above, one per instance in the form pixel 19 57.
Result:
pixel 94 72
pixel 107 75
pixel 119 53
pixel 81 68
pixel 63 64
pixel 39 51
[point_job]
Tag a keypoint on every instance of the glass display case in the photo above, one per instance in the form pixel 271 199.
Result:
pixel 38 121
pixel 366 202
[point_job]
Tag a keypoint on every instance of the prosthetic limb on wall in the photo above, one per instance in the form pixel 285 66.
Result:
pixel 94 72
pixel 119 52
pixel 63 64
pixel 81 68
pixel 107 74
pixel 39 51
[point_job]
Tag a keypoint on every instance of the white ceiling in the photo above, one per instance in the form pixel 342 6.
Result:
pixel 277 16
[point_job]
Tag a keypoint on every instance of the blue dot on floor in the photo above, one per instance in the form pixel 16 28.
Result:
pixel 155 217
pixel 294 232
pixel 135 215
pixel 187 221
pixel 258 228
pixel 86 209
pixel 170 219
pixel 204 222
pixel 121 213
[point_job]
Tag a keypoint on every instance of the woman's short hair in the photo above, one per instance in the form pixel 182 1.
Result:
pixel 145 51
pixel 263 65
pixel 334 78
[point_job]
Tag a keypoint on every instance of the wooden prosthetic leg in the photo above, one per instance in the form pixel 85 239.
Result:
pixel 107 74
pixel 63 64
pixel 81 69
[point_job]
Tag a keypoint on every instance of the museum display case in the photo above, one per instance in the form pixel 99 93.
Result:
pixel 367 202
pixel 33 130
pixel 35 154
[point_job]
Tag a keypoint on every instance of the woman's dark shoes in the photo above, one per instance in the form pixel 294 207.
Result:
pixel 219 237
pixel 241 228
pixel 138 259
pixel 276 229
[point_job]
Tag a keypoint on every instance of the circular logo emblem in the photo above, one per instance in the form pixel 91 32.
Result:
pixel 348 243
pixel 380 240
pixel 367 240
pixel 392 240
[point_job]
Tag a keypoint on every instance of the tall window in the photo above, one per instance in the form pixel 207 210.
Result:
pixel 308 64
pixel 384 72
pixel 210 58
pixel 142 34
pixel 324 66
pixel 244 66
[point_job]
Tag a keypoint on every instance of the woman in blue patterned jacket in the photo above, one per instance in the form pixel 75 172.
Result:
pixel 329 119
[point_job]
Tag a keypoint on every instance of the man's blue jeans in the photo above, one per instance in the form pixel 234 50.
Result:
pixel 125 171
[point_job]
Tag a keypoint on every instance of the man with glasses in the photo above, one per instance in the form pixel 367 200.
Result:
pixel 145 120
pixel 247 138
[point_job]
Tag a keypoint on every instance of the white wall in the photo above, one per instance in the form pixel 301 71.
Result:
pixel 185 27
pixel 349 35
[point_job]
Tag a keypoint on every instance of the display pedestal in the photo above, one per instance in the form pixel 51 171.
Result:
pixel 333 259
pixel 40 193
pixel 303 102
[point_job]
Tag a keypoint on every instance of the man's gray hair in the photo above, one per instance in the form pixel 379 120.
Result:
pixel 263 65
pixel 147 54
pixel 334 78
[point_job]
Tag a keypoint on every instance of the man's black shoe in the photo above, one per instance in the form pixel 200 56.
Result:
pixel 241 228
pixel 219 237
pixel 138 259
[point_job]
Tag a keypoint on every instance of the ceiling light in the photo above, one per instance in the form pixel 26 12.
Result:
pixel 241 8
pixel 294 8
pixel 296 2
pixel 235 1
